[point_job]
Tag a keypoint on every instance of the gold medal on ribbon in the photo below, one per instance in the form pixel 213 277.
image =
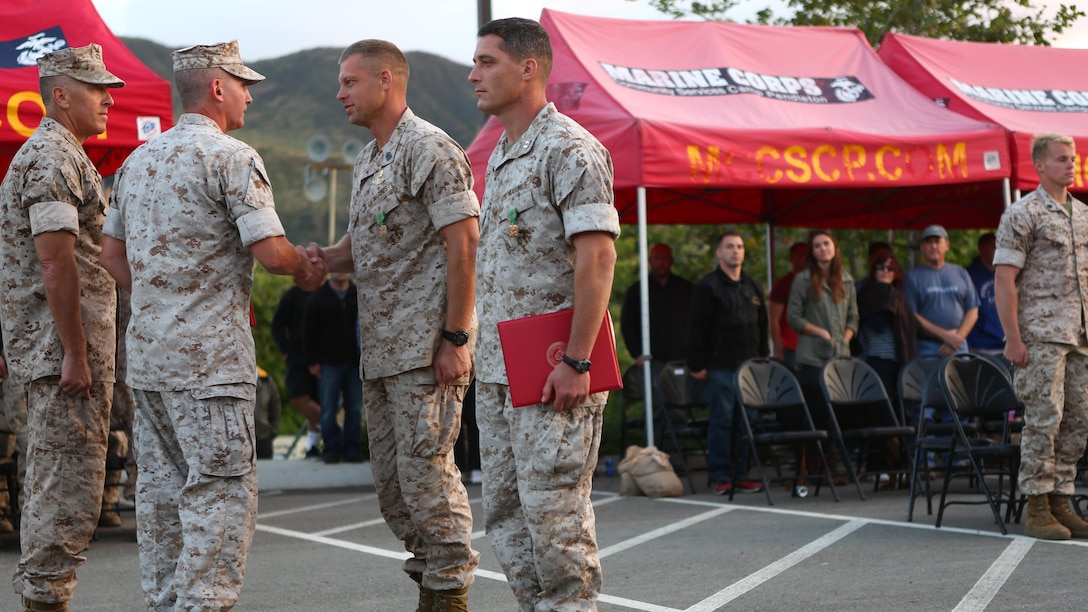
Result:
pixel 382 230
pixel 512 231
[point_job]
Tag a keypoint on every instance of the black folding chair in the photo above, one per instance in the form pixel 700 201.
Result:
pixel 632 394
pixel 780 418
pixel 975 389
pixel 922 400
pixel 684 422
pixel 862 419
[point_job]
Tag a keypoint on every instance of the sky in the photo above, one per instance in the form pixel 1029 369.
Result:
pixel 274 28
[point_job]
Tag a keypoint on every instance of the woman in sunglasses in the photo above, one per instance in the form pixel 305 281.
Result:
pixel 887 327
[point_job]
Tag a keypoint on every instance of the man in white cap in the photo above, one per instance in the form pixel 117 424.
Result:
pixel 58 309
pixel 192 209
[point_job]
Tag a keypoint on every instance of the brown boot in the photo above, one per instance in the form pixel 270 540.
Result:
pixel 109 518
pixel 1040 523
pixel 426 596
pixel 453 600
pixel 1062 508
pixel 31 605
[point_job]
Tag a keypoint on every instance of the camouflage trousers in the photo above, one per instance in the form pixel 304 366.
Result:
pixel 196 497
pixel 538 467
pixel 1054 390
pixel 14 417
pixel 119 445
pixel 62 490
pixel 412 426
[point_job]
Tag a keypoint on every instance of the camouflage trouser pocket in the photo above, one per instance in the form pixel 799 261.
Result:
pixel 223 436
pixel 438 420
pixel 566 446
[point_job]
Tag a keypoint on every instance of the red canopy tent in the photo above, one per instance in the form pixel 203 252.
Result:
pixel 31 28
pixel 734 123
pixel 1028 90
pixel 711 122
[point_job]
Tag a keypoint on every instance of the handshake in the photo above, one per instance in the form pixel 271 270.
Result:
pixel 312 267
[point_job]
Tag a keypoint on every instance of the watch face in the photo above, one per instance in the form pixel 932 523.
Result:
pixel 579 366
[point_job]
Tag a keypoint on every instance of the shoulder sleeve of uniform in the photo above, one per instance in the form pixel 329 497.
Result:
pixel 245 182
pixel 53 217
pixel 441 177
pixel 114 225
pixel 258 225
pixel 1015 236
pixel 582 187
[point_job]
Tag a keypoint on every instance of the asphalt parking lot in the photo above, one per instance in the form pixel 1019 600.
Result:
pixel 328 549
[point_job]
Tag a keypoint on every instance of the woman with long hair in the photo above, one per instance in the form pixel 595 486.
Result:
pixel 887 326
pixel 823 310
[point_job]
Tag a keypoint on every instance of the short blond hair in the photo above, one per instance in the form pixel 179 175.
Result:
pixel 1041 145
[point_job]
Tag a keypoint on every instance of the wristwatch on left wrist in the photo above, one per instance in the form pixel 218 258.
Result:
pixel 580 366
pixel 457 338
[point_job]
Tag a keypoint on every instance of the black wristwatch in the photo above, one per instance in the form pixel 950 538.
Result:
pixel 458 338
pixel 579 366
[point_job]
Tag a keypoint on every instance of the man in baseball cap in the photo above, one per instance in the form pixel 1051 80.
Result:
pixel 934 231
pixel 57 309
pixel 942 296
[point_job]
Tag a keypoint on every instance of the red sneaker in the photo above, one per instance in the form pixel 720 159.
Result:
pixel 721 488
pixel 749 486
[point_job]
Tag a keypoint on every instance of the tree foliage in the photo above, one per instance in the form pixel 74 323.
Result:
pixel 1015 21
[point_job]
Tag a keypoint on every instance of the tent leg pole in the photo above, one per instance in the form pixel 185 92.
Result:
pixel 644 277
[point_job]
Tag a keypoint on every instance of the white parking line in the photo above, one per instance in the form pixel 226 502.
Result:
pixel 755 579
pixel 352 527
pixel 661 531
pixel 342 502
pixel 980 596
pixel 976 600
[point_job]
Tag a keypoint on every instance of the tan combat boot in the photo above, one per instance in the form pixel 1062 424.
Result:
pixel 426 596
pixel 453 600
pixel 1040 523
pixel 109 518
pixel 1061 507
pixel 30 605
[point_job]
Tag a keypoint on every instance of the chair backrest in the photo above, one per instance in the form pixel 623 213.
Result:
pixel 633 390
pixel 1002 364
pixel 918 385
pixel 855 394
pixel 976 387
pixel 847 380
pixel 767 384
pixel 679 387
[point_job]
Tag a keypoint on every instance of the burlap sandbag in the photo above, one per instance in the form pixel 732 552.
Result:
pixel 650 473
pixel 628 486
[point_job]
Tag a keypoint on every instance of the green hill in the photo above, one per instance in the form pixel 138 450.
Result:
pixel 298 102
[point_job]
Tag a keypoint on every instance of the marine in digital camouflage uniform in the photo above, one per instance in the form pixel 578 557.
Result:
pixel 193 208
pixel 411 243
pixel 1041 286
pixel 546 243
pixel 57 307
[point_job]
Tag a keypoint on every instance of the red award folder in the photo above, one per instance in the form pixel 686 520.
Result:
pixel 532 347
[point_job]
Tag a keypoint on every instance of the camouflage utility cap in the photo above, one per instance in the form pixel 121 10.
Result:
pixel 223 55
pixel 83 64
